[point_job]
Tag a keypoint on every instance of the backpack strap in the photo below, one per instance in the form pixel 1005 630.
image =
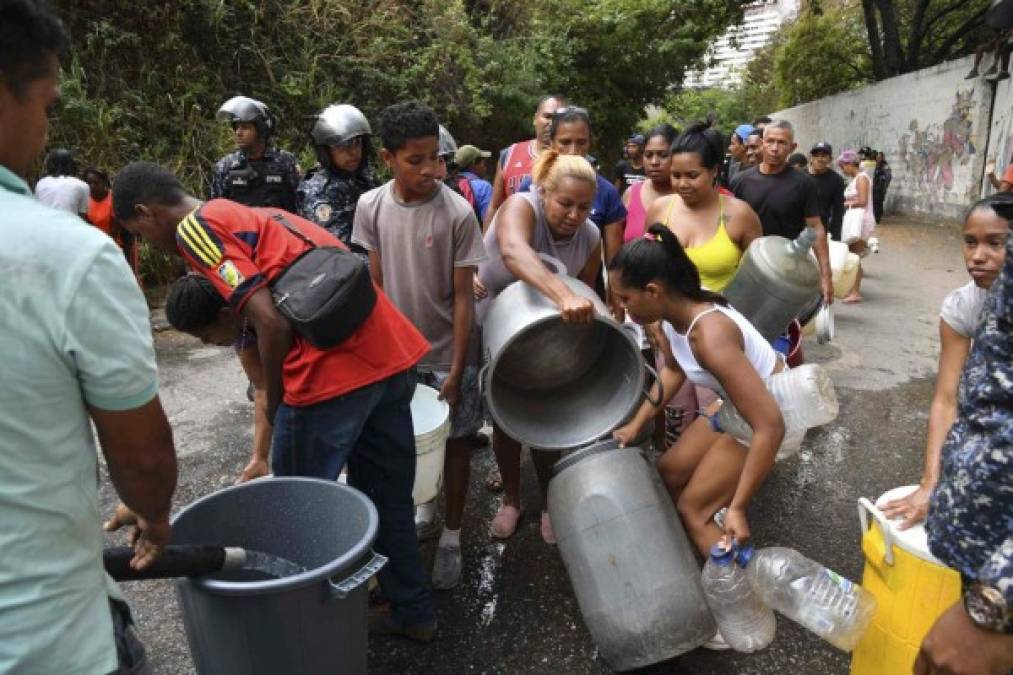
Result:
pixel 291 228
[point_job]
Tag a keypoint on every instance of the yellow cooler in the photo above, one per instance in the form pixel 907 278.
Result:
pixel 911 586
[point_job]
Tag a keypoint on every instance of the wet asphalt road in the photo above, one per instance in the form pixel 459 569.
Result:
pixel 514 611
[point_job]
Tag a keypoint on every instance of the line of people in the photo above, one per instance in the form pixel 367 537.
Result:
pixel 80 330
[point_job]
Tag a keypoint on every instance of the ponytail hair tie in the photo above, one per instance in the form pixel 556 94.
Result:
pixel 650 236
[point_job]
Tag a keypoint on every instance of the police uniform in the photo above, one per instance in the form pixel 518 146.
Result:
pixel 268 181
pixel 329 199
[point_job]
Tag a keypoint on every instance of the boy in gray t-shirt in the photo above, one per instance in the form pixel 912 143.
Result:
pixel 424 245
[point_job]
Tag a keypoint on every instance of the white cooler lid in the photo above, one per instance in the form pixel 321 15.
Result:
pixel 428 411
pixel 913 540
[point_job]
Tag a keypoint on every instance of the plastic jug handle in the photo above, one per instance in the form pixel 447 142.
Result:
pixel 647 388
pixel 865 507
pixel 342 589
pixel 481 378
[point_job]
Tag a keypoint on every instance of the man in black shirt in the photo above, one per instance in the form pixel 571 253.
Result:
pixel 785 200
pixel 631 170
pixel 830 186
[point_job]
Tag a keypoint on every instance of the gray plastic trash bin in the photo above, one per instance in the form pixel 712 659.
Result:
pixel 243 623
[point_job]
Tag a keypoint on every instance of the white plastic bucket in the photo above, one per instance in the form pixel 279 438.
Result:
pixel 431 419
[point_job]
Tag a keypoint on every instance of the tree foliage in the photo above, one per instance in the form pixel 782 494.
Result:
pixel 145 79
pixel 818 55
pixel 727 109
pixel 908 35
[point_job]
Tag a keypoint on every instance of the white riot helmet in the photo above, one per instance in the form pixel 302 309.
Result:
pixel 245 109
pixel 448 146
pixel 338 124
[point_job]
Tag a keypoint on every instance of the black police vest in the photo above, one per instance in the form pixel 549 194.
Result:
pixel 260 183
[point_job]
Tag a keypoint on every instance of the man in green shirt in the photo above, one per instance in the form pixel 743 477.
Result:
pixel 77 350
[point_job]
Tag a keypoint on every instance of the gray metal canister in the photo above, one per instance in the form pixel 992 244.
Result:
pixel 552 385
pixel 631 565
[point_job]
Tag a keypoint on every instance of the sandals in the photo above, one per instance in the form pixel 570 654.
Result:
pixel 504 524
pixel 548 535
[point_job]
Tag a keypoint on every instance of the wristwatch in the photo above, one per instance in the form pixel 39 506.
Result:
pixel 986 606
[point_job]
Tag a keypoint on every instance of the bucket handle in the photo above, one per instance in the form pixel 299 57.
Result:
pixel 342 589
pixel 481 379
pixel 866 507
pixel 555 263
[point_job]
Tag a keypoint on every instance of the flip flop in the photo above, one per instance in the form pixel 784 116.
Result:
pixel 504 524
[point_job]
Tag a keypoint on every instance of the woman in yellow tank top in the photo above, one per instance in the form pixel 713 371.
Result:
pixel 714 228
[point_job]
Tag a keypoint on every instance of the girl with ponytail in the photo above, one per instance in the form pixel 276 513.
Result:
pixel 705 341
pixel 714 228
pixel 551 220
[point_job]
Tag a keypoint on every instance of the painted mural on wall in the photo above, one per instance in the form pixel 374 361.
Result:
pixel 933 127
pixel 931 152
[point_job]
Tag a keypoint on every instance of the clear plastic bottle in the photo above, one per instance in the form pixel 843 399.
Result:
pixel 805 396
pixel 746 624
pixel 808 593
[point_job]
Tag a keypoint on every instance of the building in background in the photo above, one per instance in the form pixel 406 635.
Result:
pixel 728 56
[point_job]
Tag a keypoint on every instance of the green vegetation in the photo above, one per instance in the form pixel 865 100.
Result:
pixel 834 46
pixel 145 79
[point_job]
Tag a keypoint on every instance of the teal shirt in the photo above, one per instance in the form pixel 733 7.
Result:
pixel 74 331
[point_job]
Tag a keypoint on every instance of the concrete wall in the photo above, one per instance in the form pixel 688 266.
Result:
pixel 933 126
pixel 1000 141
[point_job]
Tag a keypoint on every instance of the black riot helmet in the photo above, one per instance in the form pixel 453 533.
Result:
pixel 245 109
pixel 336 125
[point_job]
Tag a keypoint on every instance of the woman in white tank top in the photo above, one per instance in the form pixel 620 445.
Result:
pixel 710 344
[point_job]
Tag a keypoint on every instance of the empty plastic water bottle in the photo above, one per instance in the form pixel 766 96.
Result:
pixel 745 623
pixel 808 593
pixel 805 396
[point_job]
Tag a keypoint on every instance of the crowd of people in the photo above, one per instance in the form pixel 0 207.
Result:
pixel 439 243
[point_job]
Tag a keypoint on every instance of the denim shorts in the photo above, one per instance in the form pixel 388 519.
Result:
pixel 129 650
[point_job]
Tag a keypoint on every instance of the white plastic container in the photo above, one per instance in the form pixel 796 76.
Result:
pixel 836 609
pixel 431 419
pixel 746 624
pixel 843 267
pixel 806 398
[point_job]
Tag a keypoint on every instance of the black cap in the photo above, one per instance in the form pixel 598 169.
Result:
pixel 822 146
pixel 637 138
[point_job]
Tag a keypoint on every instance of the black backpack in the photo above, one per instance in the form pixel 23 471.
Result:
pixel 326 293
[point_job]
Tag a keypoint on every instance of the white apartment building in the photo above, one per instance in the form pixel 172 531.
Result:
pixel 729 55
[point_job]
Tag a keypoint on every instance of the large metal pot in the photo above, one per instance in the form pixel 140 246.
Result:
pixel 631 565
pixel 777 281
pixel 552 385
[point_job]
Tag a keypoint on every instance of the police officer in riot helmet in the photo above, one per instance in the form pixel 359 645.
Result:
pixel 448 166
pixel 330 191
pixel 447 150
pixel 257 173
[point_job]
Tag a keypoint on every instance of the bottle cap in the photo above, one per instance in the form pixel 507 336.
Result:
pixel 744 555
pixel 722 556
